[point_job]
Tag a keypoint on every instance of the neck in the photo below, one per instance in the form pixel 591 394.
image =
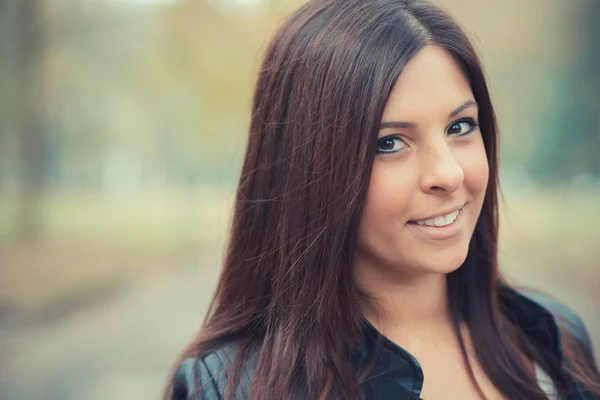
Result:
pixel 404 303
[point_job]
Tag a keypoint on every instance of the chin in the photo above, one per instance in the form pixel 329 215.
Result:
pixel 443 263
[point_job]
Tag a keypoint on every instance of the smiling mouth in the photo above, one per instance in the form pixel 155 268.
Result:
pixel 440 221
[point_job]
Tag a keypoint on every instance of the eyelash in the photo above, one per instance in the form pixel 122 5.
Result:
pixel 470 121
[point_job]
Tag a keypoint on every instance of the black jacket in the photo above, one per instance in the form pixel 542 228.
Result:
pixel 397 375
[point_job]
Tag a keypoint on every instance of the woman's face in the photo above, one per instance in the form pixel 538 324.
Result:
pixel 430 173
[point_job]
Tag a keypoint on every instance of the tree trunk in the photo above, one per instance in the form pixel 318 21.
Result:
pixel 29 48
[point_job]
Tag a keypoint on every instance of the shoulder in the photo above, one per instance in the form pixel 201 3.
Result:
pixel 205 377
pixel 566 319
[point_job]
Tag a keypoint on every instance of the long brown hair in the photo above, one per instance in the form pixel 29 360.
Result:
pixel 286 293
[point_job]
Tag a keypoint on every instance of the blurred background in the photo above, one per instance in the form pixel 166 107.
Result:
pixel 122 131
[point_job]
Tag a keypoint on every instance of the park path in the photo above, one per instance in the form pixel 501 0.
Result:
pixel 121 348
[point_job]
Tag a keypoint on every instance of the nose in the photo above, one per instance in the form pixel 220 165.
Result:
pixel 441 171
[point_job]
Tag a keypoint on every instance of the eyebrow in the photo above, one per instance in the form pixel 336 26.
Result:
pixel 404 124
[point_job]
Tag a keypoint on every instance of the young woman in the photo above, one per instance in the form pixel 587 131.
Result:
pixel 362 261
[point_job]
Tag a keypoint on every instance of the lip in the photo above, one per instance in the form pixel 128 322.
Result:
pixel 440 232
pixel 441 214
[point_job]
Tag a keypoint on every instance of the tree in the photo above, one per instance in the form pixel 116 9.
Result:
pixel 569 143
pixel 29 109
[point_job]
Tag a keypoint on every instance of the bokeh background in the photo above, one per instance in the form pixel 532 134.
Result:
pixel 122 131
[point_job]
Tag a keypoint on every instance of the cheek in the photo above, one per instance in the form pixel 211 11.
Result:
pixel 474 164
pixel 388 199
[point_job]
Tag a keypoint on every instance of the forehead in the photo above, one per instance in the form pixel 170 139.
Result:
pixel 432 83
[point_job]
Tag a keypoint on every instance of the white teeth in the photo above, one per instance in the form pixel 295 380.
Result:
pixel 439 221
pixel 450 217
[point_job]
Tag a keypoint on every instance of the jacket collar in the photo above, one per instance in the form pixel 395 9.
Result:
pixel 398 370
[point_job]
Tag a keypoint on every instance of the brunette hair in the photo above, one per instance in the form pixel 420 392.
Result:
pixel 286 293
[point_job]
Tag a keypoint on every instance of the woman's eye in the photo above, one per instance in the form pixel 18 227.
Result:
pixel 391 144
pixel 462 127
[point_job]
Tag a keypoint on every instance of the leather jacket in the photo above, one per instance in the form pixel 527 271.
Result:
pixel 397 375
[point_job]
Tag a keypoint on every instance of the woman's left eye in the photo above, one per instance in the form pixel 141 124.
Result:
pixel 462 127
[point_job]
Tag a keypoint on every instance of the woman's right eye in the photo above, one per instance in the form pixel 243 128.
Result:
pixel 390 145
